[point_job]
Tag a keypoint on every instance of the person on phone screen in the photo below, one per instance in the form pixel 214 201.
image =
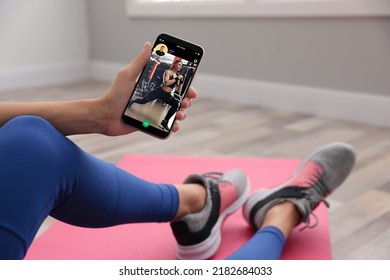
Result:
pixel 44 173
pixel 172 80
pixel 161 51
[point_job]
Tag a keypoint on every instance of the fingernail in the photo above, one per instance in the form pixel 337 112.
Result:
pixel 146 44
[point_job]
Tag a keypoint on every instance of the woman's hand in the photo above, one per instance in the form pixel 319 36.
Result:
pixel 101 115
pixel 114 101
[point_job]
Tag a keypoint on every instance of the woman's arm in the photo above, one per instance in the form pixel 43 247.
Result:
pixel 70 117
pixel 167 80
pixel 101 115
pixel 180 82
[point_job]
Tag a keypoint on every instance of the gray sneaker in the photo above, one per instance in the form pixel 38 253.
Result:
pixel 316 177
pixel 198 235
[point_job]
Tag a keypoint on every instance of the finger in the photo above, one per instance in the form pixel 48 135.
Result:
pixel 192 93
pixel 185 103
pixel 175 127
pixel 133 69
pixel 181 115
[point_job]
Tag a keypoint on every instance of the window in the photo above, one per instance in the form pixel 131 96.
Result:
pixel 257 8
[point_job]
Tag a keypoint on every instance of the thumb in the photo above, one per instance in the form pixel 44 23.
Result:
pixel 134 68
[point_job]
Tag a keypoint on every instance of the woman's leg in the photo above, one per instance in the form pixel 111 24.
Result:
pixel 277 210
pixel 42 172
pixel 168 99
pixel 174 106
pixel 153 95
pixel 268 242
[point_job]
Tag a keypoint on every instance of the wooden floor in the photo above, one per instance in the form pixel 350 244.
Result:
pixel 360 209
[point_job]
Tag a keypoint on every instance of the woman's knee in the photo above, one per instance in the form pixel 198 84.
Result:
pixel 27 121
pixel 27 126
pixel 31 138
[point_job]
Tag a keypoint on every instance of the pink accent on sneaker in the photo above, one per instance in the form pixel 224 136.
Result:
pixel 228 194
pixel 307 174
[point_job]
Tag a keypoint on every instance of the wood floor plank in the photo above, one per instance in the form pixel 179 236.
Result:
pixel 358 213
pixel 355 244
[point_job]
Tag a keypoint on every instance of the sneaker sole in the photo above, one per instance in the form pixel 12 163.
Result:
pixel 261 194
pixel 209 246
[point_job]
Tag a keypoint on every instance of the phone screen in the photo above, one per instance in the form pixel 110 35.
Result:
pixel 162 85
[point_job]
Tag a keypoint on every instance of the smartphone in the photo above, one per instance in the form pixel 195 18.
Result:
pixel 162 85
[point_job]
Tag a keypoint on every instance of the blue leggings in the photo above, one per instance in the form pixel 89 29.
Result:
pixel 267 244
pixel 43 173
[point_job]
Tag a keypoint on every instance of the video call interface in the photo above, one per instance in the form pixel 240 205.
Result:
pixel 152 102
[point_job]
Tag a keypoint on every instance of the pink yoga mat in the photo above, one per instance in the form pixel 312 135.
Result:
pixel 155 240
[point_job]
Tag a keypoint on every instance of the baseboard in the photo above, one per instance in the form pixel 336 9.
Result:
pixel 43 75
pixel 365 108
pixel 362 108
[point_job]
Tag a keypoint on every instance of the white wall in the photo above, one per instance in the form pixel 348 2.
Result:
pixel 42 42
pixel 343 53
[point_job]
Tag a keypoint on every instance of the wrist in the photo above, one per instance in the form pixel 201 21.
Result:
pixel 98 115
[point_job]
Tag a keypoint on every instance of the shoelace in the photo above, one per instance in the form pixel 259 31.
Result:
pixel 314 195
